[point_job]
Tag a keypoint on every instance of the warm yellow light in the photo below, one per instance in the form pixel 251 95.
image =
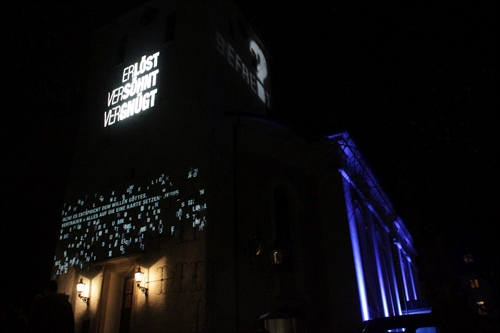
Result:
pixel 277 256
pixel 80 286
pixel 138 279
pixel 138 276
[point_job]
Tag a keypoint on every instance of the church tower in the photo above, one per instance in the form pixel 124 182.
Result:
pixel 233 221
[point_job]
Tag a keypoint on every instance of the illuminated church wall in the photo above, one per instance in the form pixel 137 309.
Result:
pixel 152 161
pixel 138 194
pixel 178 171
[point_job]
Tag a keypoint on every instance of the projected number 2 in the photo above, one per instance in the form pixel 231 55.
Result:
pixel 259 61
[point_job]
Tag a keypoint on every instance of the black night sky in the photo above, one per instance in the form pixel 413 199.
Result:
pixel 415 85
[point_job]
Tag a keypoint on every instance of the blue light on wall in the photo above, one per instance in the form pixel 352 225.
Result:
pixel 356 251
pixel 376 240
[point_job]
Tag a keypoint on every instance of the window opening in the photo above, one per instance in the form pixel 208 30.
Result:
pixel 170 27
pixel 126 313
pixel 468 258
pixel 122 48
pixel 282 220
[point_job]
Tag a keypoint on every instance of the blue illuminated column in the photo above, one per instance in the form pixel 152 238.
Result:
pixel 404 273
pixel 393 279
pixel 412 280
pixel 356 250
pixel 376 246
pixel 381 270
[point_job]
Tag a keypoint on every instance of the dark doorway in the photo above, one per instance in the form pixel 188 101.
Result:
pixel 126 313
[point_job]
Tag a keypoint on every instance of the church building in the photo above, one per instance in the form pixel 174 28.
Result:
pixel 189 209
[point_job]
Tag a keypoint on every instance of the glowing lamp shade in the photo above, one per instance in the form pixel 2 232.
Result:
pixel 138 276
pixel 80 286
pixel 277 256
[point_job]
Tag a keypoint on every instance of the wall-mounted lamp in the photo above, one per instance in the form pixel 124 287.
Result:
pixel 138 278
pixel 257 252
pixel 277 256
pixel 79 288
pixel 258 245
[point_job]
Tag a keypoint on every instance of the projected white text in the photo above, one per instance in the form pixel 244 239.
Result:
pixel 139 80
pixel 101 226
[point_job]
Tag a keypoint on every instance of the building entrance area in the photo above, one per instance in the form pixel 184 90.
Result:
pixel 116 308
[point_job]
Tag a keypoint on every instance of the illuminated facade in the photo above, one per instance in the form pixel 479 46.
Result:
pixel 235 221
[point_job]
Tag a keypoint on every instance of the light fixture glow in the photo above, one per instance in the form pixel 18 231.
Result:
pixel 138 278
pixel 80 286
pixel 277 256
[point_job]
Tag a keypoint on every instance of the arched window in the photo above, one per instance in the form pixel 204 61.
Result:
pixel 170 27
pixel 120 52
pixel 283 241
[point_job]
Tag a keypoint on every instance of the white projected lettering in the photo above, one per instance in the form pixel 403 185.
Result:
pixel 259 66
pixel 106 225
pixel 138 92
pixel 260 60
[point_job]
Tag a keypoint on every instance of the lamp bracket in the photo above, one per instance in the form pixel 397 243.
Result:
pixel 143 289
pixel 84 299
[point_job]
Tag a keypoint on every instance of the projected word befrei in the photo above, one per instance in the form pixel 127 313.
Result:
pixel 137 93
pixel 258 66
